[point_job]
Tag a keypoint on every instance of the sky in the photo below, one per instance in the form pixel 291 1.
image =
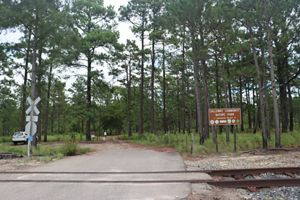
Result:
pixel 123 28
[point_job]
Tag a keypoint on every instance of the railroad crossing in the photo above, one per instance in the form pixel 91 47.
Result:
pixel 116 172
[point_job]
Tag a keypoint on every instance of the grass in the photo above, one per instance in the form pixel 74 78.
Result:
pixel 65 137
pixel 183 142
pixel 46 152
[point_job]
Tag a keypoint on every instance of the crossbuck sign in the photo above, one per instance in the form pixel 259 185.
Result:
pixel 32 118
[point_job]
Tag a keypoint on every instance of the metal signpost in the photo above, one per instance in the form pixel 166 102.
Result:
pixel 224 117
pixel 31 119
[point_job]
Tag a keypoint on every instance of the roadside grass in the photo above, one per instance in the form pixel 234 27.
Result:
pixel 46 152
pixel 183 142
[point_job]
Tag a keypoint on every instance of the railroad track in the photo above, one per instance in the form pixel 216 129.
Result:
pixel 225 172
pixel 9 155
pixel 217 175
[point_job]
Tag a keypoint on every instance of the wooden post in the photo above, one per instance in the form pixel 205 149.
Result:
pixel 215 138
pixel 186 142
pixel 234 135
pixel 192 145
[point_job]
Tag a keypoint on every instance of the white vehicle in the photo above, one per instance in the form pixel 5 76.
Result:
pixel 19 137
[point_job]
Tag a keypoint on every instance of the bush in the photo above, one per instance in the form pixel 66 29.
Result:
pixel 69 149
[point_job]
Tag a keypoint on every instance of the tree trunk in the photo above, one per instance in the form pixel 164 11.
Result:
pixel 178 105
pixel 88 97
pixel 48 104
pixel 189 120
pixel 268 118
pixel 206 99
pixel 227 128
pixel 283 106
pixel 39 92
pixel 274 95
pixel 141 122
pixel 197 120
pixel 282 67
pixel 291 109
pixel 164 89
pixel 261 96
pixel 229 91
pixel 24 89
pixel 52 119
pixel 196 66
pixel 241 103
pixel 248 107
pixel 152 110
pixel 128 72
pixel 256 109
pixel 218 87
pixel 229 87
pixel 183 90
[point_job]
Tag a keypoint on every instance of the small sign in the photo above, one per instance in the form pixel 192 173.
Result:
pixel 34 118
pixel 33 129
pixel 224 116
pixel 30 138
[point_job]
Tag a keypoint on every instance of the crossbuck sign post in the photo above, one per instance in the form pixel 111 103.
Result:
pixel 32 118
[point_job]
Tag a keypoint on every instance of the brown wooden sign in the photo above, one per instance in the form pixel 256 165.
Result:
pixel 224 116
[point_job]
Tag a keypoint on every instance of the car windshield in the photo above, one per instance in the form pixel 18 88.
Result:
pixel 17 134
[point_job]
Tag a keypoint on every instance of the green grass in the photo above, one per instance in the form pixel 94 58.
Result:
pixel 183 142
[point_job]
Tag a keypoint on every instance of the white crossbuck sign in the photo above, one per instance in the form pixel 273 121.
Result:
pixel 32 117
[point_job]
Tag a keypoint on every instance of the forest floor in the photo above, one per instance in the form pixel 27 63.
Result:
pixel 251 159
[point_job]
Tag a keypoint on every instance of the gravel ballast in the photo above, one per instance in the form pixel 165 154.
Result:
pixel 246 161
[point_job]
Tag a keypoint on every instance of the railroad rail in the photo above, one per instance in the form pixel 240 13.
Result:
pixel 223 172
pixel 257 183
pixel 216 174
